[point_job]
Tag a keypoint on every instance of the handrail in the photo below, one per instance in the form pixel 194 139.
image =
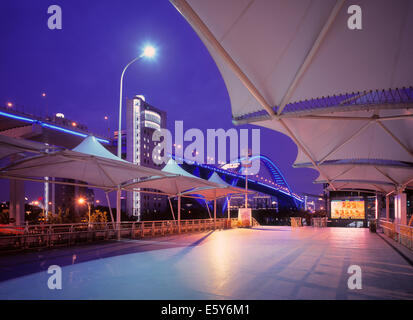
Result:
pixel 398 232
pixel 48 235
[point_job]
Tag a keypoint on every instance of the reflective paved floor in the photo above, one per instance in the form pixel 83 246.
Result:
pixel 260 263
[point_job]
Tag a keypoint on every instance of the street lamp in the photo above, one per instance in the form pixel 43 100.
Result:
pixel 148 52
pixel 83 201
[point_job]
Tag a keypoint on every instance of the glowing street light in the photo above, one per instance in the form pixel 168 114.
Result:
pixel 83 201
pixel 9 104
pixel 148 52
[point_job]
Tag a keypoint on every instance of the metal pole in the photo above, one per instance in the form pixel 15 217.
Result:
pixel 172 209
pixel 229 210
pixel 120 107
pixel 246 188
pixel 387 208
pixel 88 207
pixel 118 208
pixel 179 214
pixel 209 212
pixel 110 210
pixel 215 213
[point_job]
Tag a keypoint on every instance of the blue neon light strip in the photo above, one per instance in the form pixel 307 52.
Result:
pixel 70 131
pixel 43 124
pixel 16 117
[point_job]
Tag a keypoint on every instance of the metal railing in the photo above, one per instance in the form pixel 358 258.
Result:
pixel 319 222
pixel 296 222
pixel 53 235
pixel 401 233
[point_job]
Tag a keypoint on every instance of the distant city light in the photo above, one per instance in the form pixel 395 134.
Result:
pixel 106 118
pixel 74 124
pixel 43 94
pixel 9 104
pixel 60 115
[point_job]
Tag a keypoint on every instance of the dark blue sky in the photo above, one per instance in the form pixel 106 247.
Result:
pixel 79 68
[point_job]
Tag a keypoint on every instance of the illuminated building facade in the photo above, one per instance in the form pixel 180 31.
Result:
pixel 141 121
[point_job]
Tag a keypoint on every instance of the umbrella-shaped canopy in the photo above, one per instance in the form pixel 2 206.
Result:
pixel 97 171
pixel 380 176
pixel 92 146
pixel 174 181
pixel 217 179
pixel 222 190
pixel 10 146
pixel 211 193
pixel 299 68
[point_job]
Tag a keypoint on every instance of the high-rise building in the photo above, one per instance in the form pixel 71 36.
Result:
pixel 142 120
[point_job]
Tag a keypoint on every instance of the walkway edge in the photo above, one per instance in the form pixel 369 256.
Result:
pixel 405 253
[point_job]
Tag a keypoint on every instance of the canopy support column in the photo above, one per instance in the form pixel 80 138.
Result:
pixel 172 209
pixel 209 212
pixel 377 208
pixel 387 208
pixel 16 202
pixel 179 214
pixel 215 213
pixel 400 208
pixel 229 210
pixel 118 210
pixel 110 210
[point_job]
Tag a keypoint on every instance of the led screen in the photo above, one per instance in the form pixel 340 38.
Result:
pixel 347 209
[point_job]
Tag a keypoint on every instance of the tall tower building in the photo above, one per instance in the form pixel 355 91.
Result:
pixel 142 120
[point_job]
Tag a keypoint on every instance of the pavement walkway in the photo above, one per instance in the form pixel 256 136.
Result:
pixel 259 263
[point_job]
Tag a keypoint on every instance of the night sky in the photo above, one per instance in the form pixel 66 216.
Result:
pixel 79 69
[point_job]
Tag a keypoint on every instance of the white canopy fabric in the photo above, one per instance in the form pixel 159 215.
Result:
pixel 173 168
pixel 175 181
pixel 296 67
pixel 217 179
pixel 211 193
pixel 299 49
pixel 97 171
pixel 92 146
pixel 169 185
pixel 10 146
pixel 215 193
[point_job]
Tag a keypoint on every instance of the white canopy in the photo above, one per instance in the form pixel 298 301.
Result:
pixel 101 171
pixel 174 181
pixel 10 146
pixel 217 179
pixel 211 193
pixel 223 190
pixel 296 67
pixel 92 146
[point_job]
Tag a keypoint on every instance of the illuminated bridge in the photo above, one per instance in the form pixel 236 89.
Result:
pixel 270 181
pixel 55 130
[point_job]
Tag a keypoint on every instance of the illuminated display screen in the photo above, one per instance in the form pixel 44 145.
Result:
pixel 347 209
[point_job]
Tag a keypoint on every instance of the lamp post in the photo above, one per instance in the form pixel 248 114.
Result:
pixel 147 52
pixel 82 201
pixel 246 164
